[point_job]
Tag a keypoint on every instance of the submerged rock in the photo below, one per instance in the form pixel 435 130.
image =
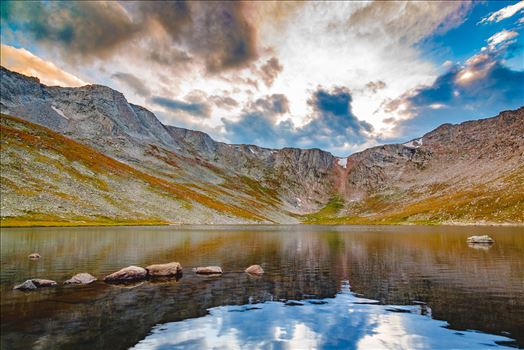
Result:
pixel 208 270
pixel 35 283
pixel 484 239
pixel 255 270
pixel 127 274
pixel 34 256
pixel 164 270
pixel 81 278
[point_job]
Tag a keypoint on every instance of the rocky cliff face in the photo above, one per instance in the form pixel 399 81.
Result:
pixel 273 185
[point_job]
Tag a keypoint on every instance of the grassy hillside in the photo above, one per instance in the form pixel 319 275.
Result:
pixel 49 179
pixel 500 200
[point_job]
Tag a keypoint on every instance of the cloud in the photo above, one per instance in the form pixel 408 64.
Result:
pixel 504 13
pixel 270 70
pixel 410 21
pixel 81 29
pixel 217 32
pixel 173 16
pixel 224 102
pixel 133 82
pixel 274 105
pixel 501 38
pixel 374 86
pixel 332 125
pixel 24 62
pixel 198 109
pixel 481 88
pixel 222 35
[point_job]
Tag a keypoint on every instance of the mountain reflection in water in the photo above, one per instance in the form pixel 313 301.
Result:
pixel 470 289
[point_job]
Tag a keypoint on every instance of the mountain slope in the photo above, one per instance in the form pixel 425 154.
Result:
pixel 48 178
pixel 465 173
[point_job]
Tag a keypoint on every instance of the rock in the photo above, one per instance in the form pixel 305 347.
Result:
pixel 164 270
pixel 208 270
pixel 485 239
pixel 39 282
pixel 27 285
pixel 34 256
pixel 255 270
pixel 127 274
pixel 81 278
pixel 293 303
pixel 35 283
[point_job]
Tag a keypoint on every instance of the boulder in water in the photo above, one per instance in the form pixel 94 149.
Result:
pixel 81 278
pixel 40 282
pixel 27 285
pixel 35 283
pixel 208 270
pixel 127 274
pixel 255 270
pixel 164 270
pixel 484 239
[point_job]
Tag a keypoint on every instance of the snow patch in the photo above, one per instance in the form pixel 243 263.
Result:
pixel 343 162
pixel 252 150
pixel 414 143
pixel 59 112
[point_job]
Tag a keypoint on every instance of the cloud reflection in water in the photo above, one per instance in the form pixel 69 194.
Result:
pixel 344 322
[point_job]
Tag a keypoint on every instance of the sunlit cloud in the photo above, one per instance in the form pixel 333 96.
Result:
pixel 24 62
pixel 504 13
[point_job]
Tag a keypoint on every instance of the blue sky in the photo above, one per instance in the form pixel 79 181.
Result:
pixel 341 76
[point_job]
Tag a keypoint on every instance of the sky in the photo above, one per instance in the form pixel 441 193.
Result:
pixel 340 76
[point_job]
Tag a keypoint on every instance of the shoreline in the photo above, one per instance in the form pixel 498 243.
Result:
pixel 37 224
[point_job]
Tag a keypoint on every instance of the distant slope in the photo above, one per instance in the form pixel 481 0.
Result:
pixel 466 173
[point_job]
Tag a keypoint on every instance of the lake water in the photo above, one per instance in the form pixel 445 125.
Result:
pixel 365 287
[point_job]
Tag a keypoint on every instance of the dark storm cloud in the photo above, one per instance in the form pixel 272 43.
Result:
pixel 84 29
pixel 270 70
pixel 133 82
pixel 198 109
pixel 332 124
pixel 222 35
pixel 173 16
pixel 217 33
pixel 482 88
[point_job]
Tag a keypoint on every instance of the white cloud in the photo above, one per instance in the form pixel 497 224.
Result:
pixel 501 37
pixel 504 13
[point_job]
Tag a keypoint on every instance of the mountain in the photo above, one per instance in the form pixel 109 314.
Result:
pixel 87 156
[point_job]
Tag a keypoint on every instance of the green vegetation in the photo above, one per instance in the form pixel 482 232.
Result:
pixel 51 221
pixel 328 213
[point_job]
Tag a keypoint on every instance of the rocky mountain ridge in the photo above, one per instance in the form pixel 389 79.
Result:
pixel 265 185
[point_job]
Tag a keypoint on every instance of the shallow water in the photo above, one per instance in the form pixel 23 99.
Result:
pixel 433 290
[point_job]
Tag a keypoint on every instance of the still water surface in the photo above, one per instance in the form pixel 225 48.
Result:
pixel 346 287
